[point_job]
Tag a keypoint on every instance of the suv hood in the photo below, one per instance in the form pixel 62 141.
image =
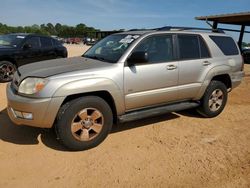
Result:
pixel 58 66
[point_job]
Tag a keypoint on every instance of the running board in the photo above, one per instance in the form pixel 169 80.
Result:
pixel 141 114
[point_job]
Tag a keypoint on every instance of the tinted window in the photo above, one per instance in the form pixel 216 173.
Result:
pixel 57 43
pixel 11 40
pixel 204 49
pixel 46 42
pixel 226 44
pixel 34 42
pixel 159 48
pixel 189 47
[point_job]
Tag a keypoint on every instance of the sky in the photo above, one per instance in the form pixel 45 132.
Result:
pixel 118 14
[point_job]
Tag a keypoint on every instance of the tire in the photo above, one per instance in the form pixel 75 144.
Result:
pixel 214 100
pixel 84 123
pixel 7 70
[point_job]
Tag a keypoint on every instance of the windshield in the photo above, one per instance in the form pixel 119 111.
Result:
pixel 111 48
pixel 10 40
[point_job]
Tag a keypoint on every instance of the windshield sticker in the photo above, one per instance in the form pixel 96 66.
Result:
pixel 20 37
pixel 136 36
pixel 127 40
pixel 132 36
pixel 128 37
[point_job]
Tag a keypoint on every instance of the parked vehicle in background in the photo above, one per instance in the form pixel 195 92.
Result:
pixel 89 41
pixel 246 55
pixel 73 41
pixel 21 49
pixel 58 38
pixel 125 77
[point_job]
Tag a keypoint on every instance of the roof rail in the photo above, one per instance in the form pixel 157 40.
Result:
pixel 169 28
pixel 139 29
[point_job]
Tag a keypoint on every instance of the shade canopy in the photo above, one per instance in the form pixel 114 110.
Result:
pixel 242 18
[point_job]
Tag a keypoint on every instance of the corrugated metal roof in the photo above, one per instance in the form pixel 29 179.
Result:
pixel 241 18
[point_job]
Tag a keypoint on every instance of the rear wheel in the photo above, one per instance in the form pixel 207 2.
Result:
pixel 84 123
pixel 7 70
pixel 214 99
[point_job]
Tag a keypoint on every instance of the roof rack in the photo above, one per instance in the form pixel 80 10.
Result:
pixel 169 28
pixel 140 29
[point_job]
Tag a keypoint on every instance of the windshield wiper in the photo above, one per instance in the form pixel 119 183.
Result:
pixel 95 57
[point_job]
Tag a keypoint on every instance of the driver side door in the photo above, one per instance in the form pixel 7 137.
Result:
pixel 154 82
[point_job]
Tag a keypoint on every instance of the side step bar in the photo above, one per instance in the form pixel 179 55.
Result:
pixel 141 114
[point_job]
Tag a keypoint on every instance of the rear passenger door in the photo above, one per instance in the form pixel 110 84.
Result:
pixel 48 50
pixel 194 63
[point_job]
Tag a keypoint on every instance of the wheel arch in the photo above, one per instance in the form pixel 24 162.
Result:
pixel 9 59
pixel 218 73
pixel 225 79
pixel 105 95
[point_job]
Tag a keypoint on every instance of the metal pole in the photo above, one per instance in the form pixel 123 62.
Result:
pixel 241 36
pixel 215 25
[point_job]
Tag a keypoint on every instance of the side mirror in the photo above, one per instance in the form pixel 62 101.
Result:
pixel 27 46
pixel 137 57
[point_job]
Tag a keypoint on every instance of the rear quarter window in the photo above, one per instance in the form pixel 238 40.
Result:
pixel 226 45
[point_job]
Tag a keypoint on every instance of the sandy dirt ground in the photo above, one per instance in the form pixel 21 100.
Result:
pixel 173 150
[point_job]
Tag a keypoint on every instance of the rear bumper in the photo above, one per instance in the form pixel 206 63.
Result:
pixel 236 78
pixel 44 111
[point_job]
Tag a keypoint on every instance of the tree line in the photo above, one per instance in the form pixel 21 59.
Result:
pixel 80 30
pixel 244 44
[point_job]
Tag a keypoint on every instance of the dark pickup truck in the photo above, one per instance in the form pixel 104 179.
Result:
pixel 20 49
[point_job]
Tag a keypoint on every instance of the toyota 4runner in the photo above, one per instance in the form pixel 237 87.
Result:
pixel 125 77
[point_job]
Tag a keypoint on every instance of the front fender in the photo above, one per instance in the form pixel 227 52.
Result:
pixel 93 85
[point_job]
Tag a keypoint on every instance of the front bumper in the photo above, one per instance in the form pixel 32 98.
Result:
pixel 236 78
pixel 43 110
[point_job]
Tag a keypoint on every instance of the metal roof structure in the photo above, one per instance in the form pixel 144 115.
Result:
pixel 241 18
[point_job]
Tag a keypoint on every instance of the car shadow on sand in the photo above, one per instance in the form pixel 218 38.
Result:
pixel 25 135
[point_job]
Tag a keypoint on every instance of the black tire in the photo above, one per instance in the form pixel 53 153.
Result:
pixel 7 70
pixel 210 107
pixel 69 113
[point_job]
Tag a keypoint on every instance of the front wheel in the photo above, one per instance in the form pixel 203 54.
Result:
pixel 84 123
pixel 214 99
pixel 7 70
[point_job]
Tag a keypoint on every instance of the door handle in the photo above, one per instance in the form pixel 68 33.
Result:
pixel 171 67
pixel 206 63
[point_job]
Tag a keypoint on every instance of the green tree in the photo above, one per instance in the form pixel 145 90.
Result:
pixel 51 29
pixel 60 30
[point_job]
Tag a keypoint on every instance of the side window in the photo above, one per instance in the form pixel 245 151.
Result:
pixel 204 49
pixel 56 42
pixel 189 47
pixel 159 48
pixel 46 42
pixel 226 44
pixel 34 42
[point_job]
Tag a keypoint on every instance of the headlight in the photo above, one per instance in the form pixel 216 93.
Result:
pixel 32 85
